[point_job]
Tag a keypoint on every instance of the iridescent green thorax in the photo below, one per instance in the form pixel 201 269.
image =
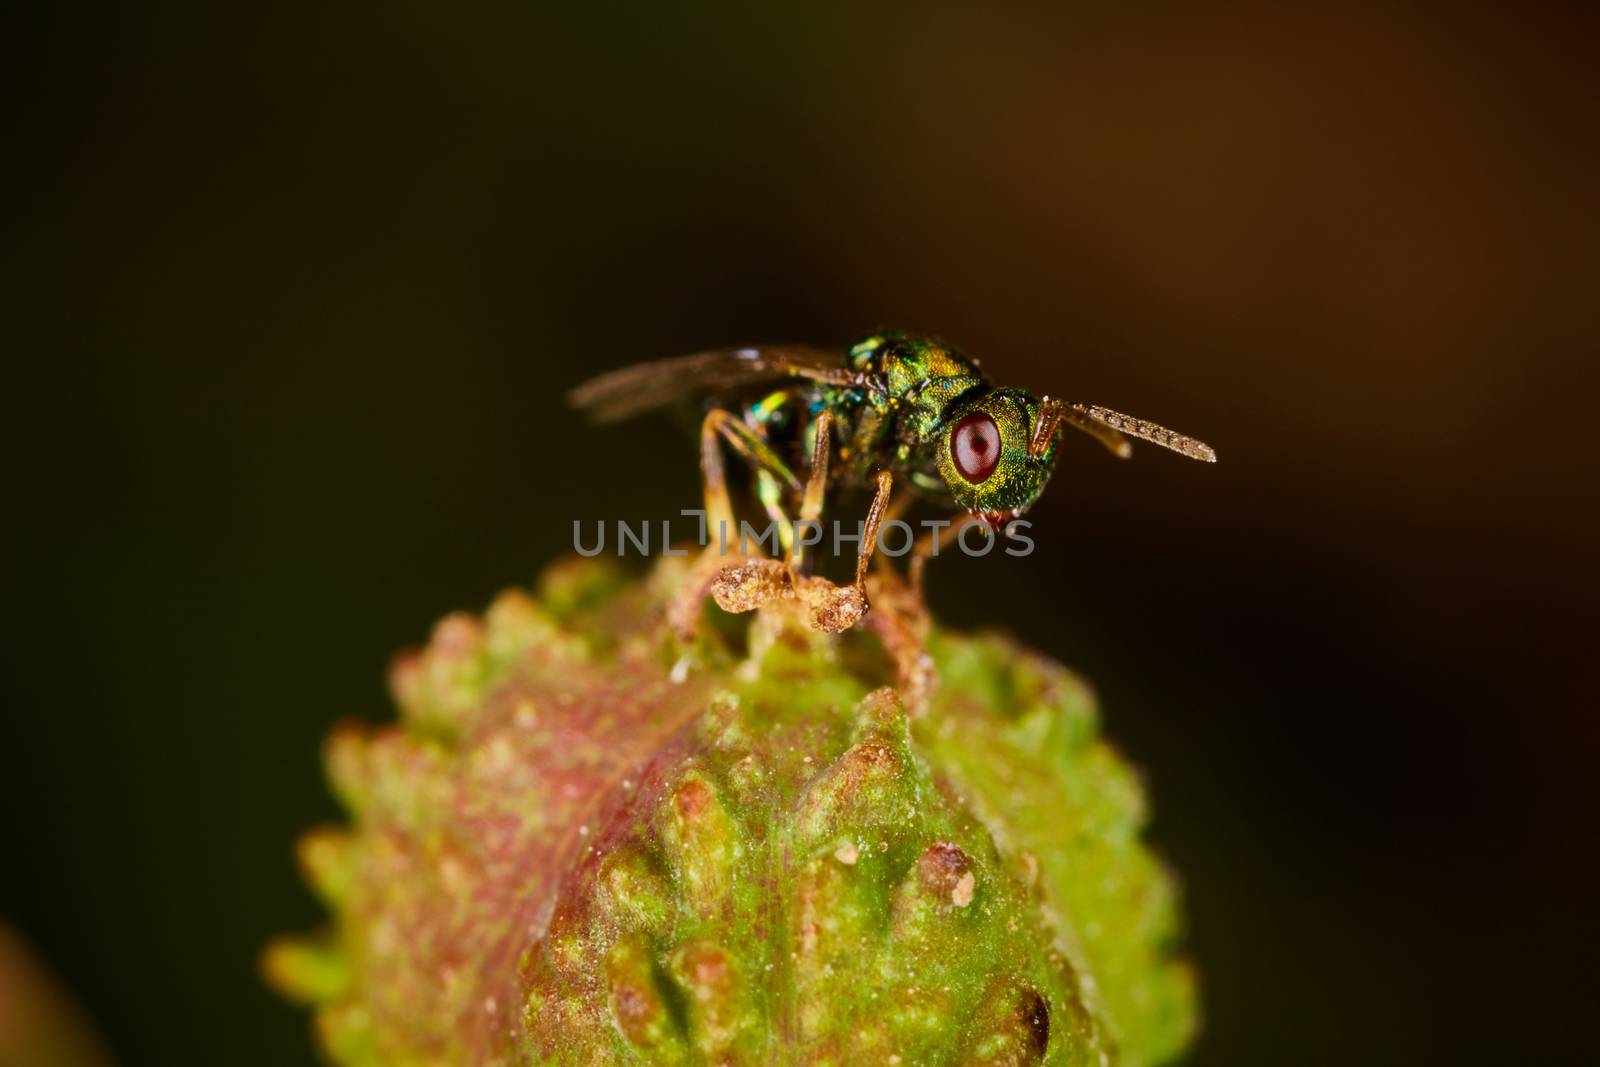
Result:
pixel 896 416
pixel 921 380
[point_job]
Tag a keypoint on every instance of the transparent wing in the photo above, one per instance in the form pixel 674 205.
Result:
pixel 644 386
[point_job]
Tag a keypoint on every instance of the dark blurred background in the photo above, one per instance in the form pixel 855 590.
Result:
pixel 293 292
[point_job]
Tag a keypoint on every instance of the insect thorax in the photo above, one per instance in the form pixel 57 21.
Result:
pixel 898 419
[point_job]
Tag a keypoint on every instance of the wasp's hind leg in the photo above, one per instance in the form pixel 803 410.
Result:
pixel 752 583
pixel 828 607
pixel 721 529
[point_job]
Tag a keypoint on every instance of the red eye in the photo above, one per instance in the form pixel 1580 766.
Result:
pixel 975 447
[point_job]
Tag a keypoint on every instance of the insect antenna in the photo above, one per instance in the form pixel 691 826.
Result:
pixel 1096 420
pixel 1076 416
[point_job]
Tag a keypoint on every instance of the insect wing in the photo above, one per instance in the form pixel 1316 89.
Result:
pixel 645 386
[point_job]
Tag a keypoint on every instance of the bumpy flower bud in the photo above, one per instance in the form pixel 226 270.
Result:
pixel 569 852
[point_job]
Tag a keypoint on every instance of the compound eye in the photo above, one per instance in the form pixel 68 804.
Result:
pixel 975 447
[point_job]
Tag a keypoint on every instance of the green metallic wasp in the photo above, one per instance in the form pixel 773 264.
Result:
pixel 892 409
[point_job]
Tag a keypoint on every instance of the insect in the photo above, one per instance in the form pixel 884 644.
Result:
pixel 904 416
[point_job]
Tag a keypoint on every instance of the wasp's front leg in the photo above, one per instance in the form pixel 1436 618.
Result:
pixel 719 426
pixel 833 608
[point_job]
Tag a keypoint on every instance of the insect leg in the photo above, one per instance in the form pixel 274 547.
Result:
pixel 773 478
pixel 812 498
pixel 869 536
pixel 898 507
pixel 896 510
pixel 832 608
pixel 751 446
pixel 719 509
pixel 718 426
pixel 744 586
pixel 817 478
pixel 770 492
